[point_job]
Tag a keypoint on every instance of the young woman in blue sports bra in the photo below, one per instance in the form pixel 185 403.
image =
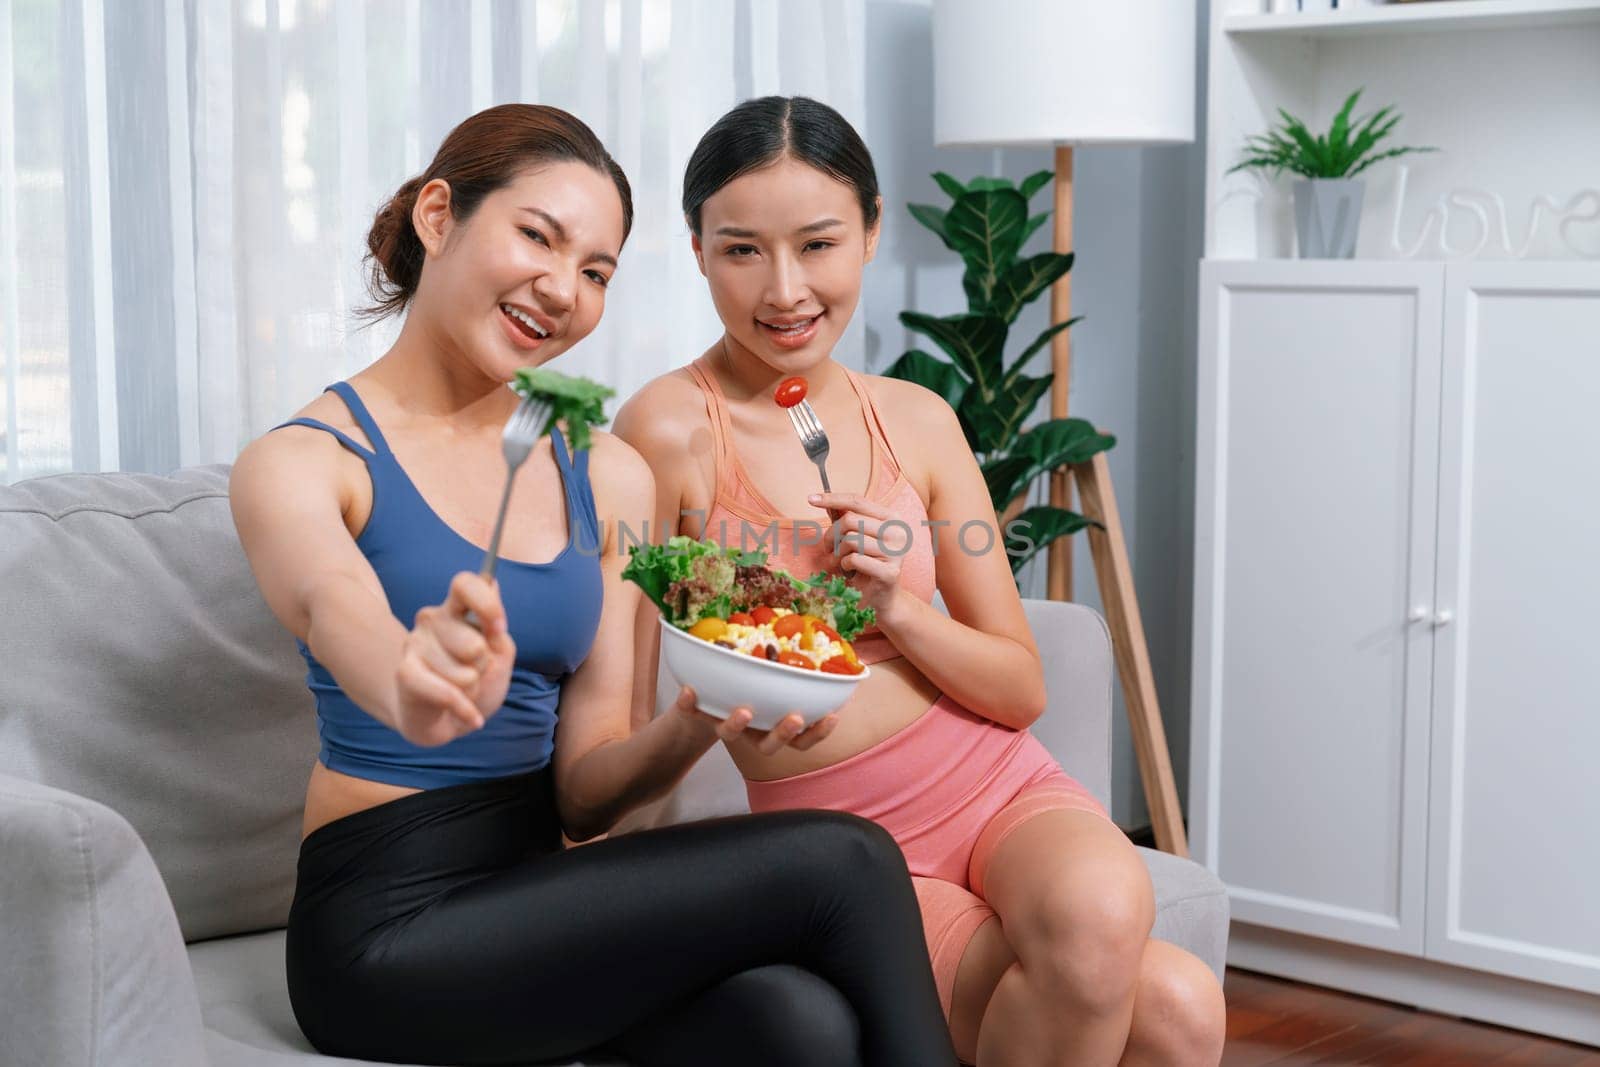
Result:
pixel 437 916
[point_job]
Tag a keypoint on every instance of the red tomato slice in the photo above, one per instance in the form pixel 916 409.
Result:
pixel 790 392
pixel 762 615
pixel 789 625
pixel 840 665
pixel 743 618
pixel 821 627
pixel 795 659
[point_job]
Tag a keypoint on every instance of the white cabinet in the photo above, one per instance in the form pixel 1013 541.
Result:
pixel 1315 537
pixel 1396 697
pixel 1514 832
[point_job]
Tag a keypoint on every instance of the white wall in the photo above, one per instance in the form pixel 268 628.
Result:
pixel 1138 236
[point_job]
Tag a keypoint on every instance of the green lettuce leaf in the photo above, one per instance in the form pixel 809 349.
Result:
pixel 830 596
pixel 578 402
pixel 655 567
pixel 690 580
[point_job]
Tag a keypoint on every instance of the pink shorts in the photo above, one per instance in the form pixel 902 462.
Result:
pixel 950 787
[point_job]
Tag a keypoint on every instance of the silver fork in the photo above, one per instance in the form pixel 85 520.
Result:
pixel 814 439
pixel 523 430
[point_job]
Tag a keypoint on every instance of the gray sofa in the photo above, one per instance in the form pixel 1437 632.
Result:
pixel 155 738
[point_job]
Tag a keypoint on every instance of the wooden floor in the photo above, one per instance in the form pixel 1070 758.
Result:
pixel 1273 1021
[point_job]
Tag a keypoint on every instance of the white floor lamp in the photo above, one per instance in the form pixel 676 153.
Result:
pixel 1064 73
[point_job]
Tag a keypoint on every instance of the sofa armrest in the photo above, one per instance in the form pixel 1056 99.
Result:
pixel 92 966
pixel 1076 725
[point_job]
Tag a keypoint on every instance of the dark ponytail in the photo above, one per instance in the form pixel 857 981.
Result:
pixel 487 151
pixel 761 131
pixel 394 252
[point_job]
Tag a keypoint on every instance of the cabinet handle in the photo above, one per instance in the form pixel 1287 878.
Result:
pixel 1443 618
pixel 1418 613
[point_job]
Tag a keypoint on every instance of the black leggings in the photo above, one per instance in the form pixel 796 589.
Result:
pixel 450 927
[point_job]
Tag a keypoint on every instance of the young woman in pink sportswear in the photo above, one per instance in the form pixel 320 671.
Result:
pixel 1037 909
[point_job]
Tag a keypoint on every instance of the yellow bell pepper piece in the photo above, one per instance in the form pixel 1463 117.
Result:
pixel 709 629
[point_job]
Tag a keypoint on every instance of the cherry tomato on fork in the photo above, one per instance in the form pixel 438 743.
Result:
pixel 790 392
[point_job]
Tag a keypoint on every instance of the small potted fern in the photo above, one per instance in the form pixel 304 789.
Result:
pixel 1327 198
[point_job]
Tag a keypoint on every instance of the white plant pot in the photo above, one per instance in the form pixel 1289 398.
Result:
pixel 1327 216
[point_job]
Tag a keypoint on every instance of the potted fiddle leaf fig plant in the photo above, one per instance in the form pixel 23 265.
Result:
pixel 1327 198
pixel 987 224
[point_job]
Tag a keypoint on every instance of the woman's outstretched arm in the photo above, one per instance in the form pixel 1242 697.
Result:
pixel 288 505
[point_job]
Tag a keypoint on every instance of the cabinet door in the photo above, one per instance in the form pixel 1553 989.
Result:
pixel 1514 871
pixel 1316 505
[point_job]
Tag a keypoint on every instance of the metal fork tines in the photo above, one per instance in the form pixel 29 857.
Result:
pixel 523 430
pixel 813 437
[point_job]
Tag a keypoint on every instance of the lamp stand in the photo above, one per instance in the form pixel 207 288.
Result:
pixel 1059 574
pixel 1113 572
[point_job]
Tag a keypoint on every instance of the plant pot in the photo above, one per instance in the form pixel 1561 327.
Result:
pixel 1327 216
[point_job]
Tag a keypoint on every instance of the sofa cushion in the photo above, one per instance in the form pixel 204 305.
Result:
pixel 143 670
pixel 244 1003
pixel 244 1000
pixel 1191 907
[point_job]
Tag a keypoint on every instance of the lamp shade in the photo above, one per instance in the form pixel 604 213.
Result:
pixel 1063 71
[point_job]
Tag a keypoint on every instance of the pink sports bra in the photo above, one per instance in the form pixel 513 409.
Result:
pixel 741 515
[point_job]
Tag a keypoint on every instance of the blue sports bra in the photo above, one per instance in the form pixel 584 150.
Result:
pixel 553 611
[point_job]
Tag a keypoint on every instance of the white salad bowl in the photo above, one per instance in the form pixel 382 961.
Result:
pixel 723 679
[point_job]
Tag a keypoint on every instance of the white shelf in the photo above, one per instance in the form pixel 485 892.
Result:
pixel 1512 111
pixel 1435 16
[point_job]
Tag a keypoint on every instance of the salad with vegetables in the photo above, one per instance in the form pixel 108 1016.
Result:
pixel 578 402
pixel 731 598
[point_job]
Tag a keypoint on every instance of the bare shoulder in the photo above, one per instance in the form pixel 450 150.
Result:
pixel 613 459
pixel 662 413
pixel 922 429
pixel 618 474
pixel 912 408
pixel 316 449
pixel 292 455
pixel 297 467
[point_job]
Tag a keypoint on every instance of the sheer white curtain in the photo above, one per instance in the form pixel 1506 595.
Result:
pixel 186 185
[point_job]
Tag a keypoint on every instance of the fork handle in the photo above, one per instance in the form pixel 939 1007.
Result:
pixel 822 469
pixel 492 555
